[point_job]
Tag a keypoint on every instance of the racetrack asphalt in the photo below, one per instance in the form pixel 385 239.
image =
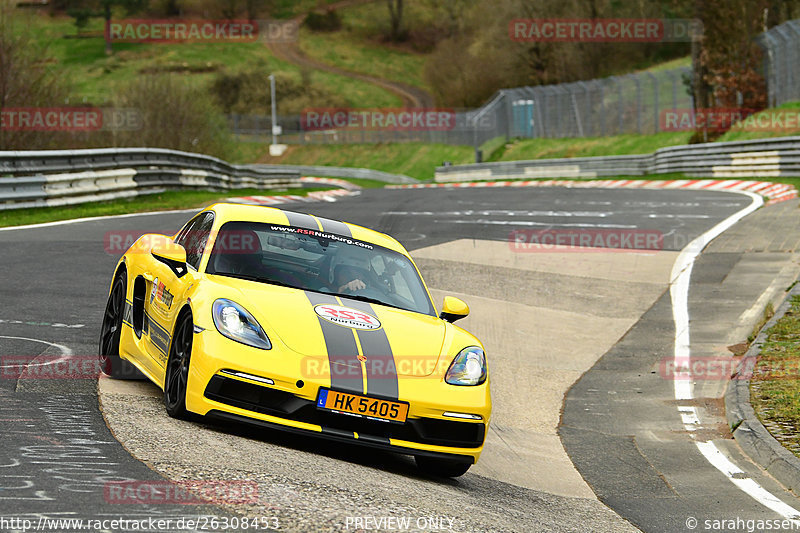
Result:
pixel 58 453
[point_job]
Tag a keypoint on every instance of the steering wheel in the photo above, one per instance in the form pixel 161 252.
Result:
pixel 369 292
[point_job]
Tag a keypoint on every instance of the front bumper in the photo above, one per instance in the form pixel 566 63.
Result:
pixel 289 402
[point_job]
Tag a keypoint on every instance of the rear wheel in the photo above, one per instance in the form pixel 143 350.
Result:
pixel 441 467
pixel 177 374
pixel 110 362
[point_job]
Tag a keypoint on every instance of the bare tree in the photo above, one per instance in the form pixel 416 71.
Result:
pixel 256 8
pixel 395 19
pixel 174 115
pixel 25 82
pixel 727 61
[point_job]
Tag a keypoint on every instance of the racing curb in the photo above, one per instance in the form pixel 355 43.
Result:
pixel 774 192
pixel 747 429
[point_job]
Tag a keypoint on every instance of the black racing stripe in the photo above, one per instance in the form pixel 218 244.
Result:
pixel 334 226
pixel 301 220
pixel 380 364
pixel 158 335
pixel 346 374
pixel 161 343
pixel 156 325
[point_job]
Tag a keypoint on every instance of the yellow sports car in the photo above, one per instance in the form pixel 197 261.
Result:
pixel 297 322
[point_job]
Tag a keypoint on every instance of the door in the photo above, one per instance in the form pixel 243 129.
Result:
pixel 167 287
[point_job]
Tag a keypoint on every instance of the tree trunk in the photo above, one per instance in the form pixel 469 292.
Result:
pixel 396 18
pixel 107 16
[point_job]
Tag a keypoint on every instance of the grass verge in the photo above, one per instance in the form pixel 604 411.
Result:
pixel 787 127
pixel 165 201
pixel 545 148
pixel 417 160
pixel 775 386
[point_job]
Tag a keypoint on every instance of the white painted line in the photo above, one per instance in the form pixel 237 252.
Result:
pixel 689 416
pixel 65 352
pixel 105 217
pixel 511 213
pixel 532 223
pixel 684 389
pixel 41 324
pixel 740 479
pixel 684 216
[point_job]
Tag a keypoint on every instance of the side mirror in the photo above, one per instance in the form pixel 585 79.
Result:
pixel 171 254
pixel 453 309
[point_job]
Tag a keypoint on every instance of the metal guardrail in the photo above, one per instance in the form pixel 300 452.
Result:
pixel 344 172
pixel 63 177
pixel 776 157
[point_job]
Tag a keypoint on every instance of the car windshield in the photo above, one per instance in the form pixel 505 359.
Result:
pixel 320 262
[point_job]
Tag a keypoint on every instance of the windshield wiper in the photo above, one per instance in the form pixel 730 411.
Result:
pixel 366 299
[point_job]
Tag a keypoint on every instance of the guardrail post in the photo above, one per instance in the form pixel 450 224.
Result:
pixel 620 109
pixel 655 101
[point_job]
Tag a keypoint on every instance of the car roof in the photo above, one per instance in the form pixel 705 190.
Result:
pixel 229 212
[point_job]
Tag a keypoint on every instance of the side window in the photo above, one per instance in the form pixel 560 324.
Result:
pixel 401 287
pixel 181 238
pixel 195 236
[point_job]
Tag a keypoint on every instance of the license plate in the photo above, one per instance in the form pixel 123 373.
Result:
pixel 352 404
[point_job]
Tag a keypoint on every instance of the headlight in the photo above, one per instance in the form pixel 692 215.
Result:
pixel 234 322
pixel 468 368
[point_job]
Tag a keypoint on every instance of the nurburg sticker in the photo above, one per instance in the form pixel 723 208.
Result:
pixel 347 317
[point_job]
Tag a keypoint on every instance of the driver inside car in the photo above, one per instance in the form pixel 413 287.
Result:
pixel 348 279
pixel 350 272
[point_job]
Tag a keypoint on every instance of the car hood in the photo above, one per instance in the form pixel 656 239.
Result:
pixel 317 325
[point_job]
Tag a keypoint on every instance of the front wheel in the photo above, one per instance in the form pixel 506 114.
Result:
pixel 111 363
pixel 177 373
pixel 441 467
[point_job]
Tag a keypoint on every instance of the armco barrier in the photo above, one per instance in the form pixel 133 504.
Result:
pixel 762 158
pixel 347 172
pixel 62 177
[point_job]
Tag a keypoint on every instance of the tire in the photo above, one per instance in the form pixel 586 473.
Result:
pixel 441 467
pixel 111 364
pixel 177 373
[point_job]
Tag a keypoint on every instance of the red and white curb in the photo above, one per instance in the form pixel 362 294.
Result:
pixel 774 192
pixel 346 189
